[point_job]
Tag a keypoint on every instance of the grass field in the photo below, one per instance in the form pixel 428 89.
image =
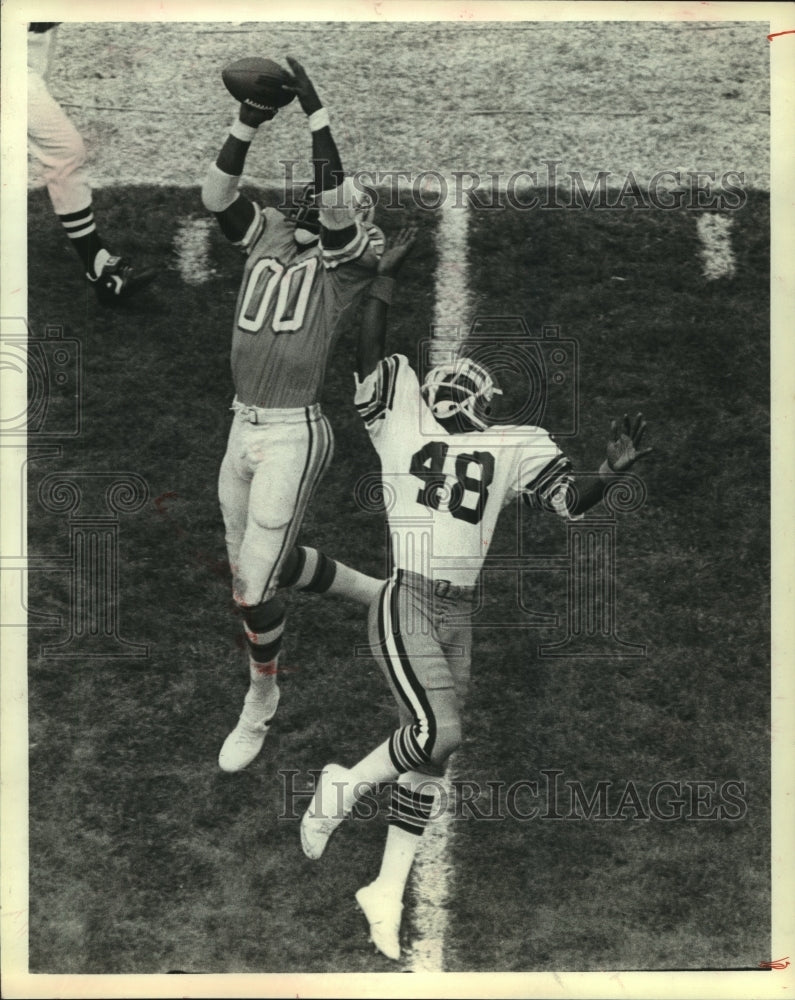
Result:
pixel 145 858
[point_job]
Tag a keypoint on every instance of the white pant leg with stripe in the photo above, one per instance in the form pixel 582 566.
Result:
pixel 268 476
pixel 423 645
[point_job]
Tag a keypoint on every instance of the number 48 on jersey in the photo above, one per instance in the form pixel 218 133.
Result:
pixel 458 484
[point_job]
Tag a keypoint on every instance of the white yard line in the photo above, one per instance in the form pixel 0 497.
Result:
pixel 453 308
pixel 714 231
pixel 431 876
pixel 432 871
pixel 192 243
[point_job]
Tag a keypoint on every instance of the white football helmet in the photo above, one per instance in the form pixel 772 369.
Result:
pixel 306 212
pixel 460 387
pixel 364 202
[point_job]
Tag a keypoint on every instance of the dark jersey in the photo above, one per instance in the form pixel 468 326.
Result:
pixel 292 305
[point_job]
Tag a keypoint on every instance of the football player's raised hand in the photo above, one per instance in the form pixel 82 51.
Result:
pixel 254 117
pixel 623 448
pixel 302 86
pixel 399 248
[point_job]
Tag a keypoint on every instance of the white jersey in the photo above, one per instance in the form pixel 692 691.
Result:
pixel 444 492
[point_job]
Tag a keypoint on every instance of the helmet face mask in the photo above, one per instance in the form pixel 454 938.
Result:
pixel 306 217
pixel 458 394
pixel 364 205
pixel 306 213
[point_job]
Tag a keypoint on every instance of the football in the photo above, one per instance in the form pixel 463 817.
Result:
pixel 257 82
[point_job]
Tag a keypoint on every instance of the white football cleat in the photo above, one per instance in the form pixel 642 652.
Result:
pixel 245 741
pixel 383 915
pixel 325 812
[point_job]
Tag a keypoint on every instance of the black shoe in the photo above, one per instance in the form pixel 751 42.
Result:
pixel 119 280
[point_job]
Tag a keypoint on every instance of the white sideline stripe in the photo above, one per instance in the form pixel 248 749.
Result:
pixel 431 875
pixel 192 242
pixel 714 231
pixel 432 871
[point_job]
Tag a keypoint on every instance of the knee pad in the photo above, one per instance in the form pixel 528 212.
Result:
pixel 261 617
pixel 448 740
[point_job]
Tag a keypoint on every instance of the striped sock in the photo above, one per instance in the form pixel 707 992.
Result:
pixel 409 814
pixel 409 809
pixel 312 571
pixel 82 232
pixel 264 628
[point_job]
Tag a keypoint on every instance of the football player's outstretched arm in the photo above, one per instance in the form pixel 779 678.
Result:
pixel 326 161
pixel 371 345
pixel 334 194
pixel 623 450
pixel 220 195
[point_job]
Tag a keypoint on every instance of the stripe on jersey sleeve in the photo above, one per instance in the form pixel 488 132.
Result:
pixel 253 232
pixel 551 478
pixel 377 239
pixel 332 257
pixel 376 393
pixel 560 497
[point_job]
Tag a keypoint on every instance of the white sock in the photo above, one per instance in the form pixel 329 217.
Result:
pixel 374 769
pixel 399 851
pixel 401 844
pixel 354 585
pixel 262 696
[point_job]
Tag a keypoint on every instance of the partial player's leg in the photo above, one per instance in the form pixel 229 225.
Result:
pixel 283 461
pixel 313 572
pixel 444 683
pixel 410 641
pixel 382 900
pixel 285 458
pixel 423 687
pixel 234 486
pixel 262 697
pixel 59 147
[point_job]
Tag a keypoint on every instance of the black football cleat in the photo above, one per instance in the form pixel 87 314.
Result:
pixel 119 281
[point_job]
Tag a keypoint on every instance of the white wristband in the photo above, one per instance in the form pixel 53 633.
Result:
pixel 318 119
pixel 241 131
